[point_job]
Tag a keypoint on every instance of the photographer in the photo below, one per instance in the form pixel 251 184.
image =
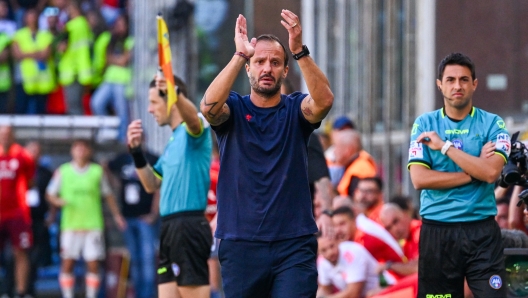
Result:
pixel 456 154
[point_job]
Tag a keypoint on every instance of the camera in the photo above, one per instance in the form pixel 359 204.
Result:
pixel 516 168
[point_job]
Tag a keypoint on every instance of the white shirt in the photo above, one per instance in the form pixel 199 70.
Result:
pixel 354 264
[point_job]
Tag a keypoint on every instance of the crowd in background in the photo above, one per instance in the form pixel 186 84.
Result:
pixel 373 251
pixel 65 57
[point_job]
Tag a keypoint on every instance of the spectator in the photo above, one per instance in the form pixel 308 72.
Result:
pixel 339 124
pixel 21 7
pixel 369 195
pixel 5 71
pixel 406 204
pixel 117 76
pixel 405 231
pixel 379 243
pixel 140 210
pixel 516 219
pixel 111 9
pixel 56 104
pixel 35 70
pixel 77 188
pixel 61 13
pixel 346 266
pixel 7 25
pixel 101 40
pixel 501 218
pixel 41 216
pixel 17 169
pixel 75 67
pixel 355 161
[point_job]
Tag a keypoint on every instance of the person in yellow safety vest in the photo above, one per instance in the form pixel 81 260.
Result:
pixel 5 72
pixel 35 70
pixel 75 67
pixel 117 76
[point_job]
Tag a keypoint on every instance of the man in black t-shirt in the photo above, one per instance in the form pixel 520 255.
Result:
pixel 140 210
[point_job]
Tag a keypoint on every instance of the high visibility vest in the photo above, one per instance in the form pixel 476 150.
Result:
pixel 363 167
pixel 99 57
pixel 120 74
pixel 75 63
pixel 5 69
pixel 38 77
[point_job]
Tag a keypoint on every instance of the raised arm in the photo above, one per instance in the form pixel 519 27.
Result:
pixel 320 99
pixel 186 108
pixel 213 104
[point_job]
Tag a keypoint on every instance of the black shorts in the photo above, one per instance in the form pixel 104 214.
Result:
pixel 451 251
pixel 185 246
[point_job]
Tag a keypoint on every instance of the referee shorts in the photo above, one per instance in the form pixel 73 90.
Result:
pixel 450 252
pixel 185 246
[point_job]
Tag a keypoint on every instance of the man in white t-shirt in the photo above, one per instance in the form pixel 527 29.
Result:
pixel 347 267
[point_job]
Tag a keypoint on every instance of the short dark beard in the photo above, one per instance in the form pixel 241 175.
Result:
pixel 265 92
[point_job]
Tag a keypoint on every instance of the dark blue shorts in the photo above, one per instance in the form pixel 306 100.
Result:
pixel 284 268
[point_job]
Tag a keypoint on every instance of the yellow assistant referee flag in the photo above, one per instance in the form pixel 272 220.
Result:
pixel 164 55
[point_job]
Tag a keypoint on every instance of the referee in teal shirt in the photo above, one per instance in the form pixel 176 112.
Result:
pixel 455 156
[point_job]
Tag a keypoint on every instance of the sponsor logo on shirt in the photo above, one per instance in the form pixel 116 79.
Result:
pixel 457 131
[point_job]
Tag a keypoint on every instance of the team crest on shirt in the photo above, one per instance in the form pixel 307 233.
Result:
pixel 457 143
pixel 175 269
pixel 495 282
pixel 503 142
pixel 415 150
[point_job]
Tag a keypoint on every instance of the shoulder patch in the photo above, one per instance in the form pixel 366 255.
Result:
pixel 414 129
pixel 415 150
pixel 503 143
pixel 501 124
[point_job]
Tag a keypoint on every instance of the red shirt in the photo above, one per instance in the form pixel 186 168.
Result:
pixel 17 168
pixel 410 246
pixel 210 210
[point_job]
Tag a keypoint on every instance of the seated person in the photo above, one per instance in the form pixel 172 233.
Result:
pixel 347 267
pixel 407 232
pixel 378 242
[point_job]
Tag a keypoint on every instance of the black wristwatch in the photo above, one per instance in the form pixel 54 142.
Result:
pixel 327 212
pixel 302 53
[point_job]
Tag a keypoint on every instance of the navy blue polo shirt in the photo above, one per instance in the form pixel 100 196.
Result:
pixel 263 192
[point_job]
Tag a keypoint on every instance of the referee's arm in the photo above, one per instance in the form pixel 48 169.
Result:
pixel 423 177
pixel 483 169
pixel 145 172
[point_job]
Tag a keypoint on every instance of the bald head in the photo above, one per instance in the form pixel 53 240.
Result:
pixel 347 144
pixel 395 220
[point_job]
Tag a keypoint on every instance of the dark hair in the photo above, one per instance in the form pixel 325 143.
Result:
pixel 271 37
pixel 344 210
pixel 505 201
pixel 84 142
pixel 376 180
pixel 177 80
pixel 456 59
